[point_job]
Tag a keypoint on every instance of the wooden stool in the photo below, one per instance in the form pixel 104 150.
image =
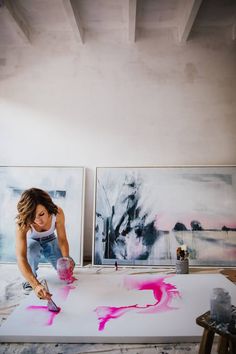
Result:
pixel 227 340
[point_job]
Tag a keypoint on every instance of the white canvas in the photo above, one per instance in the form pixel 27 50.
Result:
pixel 135 318
pixel 66 187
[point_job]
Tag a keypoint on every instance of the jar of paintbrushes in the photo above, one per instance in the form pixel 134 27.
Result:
pixel 182 262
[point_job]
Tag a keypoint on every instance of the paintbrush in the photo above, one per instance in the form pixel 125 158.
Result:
pixel 51 304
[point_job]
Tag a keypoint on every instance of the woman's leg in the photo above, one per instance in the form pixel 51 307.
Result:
pixel 52 252
pixel 33 254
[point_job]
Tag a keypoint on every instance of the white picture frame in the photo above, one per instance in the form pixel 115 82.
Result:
pixel 66 187
pixel 142 214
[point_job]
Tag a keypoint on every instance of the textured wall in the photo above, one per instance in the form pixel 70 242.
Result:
pixel 108 102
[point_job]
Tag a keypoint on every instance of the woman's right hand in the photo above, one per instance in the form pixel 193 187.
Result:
pixel 42 292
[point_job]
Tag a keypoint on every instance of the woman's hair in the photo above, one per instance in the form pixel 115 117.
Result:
pixel 28 202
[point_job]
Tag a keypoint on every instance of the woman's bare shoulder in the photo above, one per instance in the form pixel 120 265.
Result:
pixel 22 231
pixel 60 214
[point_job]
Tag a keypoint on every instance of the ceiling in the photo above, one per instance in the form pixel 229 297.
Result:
pixel 23 22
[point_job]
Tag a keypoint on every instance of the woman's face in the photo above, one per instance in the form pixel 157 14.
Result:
pixel 41 216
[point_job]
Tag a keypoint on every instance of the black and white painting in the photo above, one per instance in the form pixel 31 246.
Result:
pixel 142 215
pixel 65 186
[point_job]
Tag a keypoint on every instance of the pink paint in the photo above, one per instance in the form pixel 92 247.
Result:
pixel 163 293
pixel 230 254
pixel 166 221
pixel 64 292
pixel 51 315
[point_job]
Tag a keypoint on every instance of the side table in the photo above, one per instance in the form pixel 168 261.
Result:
pixel 227 338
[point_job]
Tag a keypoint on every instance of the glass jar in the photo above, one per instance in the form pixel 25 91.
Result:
pixel 182 266
pixel 220 306
pixel 64 269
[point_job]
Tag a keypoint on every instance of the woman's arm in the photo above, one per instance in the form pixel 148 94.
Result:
pixel 61 233
pixel 21 255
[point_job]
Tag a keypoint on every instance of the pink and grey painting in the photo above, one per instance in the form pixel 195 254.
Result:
pixel 143 214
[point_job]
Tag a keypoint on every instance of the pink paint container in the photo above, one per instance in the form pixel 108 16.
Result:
pixel 65 269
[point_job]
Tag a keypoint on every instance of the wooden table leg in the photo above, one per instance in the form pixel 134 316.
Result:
pixel 206 342
pixel 223 345
pixel 232 346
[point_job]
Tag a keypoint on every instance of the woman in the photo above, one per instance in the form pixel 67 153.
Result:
pixel 38 217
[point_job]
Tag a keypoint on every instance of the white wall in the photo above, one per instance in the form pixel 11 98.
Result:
pixel 108 102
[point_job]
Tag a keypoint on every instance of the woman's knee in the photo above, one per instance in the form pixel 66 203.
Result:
pixel 33 248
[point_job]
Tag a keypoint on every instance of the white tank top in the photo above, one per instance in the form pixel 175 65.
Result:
pixel 32 233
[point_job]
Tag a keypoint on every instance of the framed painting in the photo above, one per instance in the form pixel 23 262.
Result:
pixel 143 214
pixel 65 185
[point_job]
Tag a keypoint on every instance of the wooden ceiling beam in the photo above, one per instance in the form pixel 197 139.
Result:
pixel 74 19
pixel 189 11
pixel 17 20
pixel 132 9
pixel 234 32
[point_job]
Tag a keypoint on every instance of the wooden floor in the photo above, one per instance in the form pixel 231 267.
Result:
pixel 11 295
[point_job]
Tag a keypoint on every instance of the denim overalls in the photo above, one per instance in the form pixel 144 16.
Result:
pixel 42 243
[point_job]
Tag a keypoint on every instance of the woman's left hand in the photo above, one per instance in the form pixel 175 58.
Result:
pixel 72 263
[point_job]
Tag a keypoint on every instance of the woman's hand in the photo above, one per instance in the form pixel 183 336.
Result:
pixel 72 263
pixel 42 292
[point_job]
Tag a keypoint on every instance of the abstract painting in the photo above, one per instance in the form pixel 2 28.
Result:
pixel 142 215
pixel 117 307
pixel 65 186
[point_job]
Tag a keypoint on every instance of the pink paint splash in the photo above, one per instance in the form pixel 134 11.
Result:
pixel 163 293
pixel 51 315
pixel 64 292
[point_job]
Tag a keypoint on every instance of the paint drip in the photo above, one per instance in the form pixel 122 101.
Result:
pixel 65 269
pixel 163 294
pixel 64 292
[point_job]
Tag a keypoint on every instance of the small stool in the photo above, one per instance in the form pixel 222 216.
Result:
pixel 227 340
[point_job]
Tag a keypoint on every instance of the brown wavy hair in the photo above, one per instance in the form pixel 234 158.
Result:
pixel 27 204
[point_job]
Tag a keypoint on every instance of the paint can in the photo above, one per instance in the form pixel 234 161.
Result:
pixel 182 266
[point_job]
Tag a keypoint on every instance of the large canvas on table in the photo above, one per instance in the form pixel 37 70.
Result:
pixel 143 214
pixel 66 187
pixel 117 308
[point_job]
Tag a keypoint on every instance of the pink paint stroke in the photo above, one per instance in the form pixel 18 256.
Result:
pixel 51 315
pixel 64 292
pixel 163 292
